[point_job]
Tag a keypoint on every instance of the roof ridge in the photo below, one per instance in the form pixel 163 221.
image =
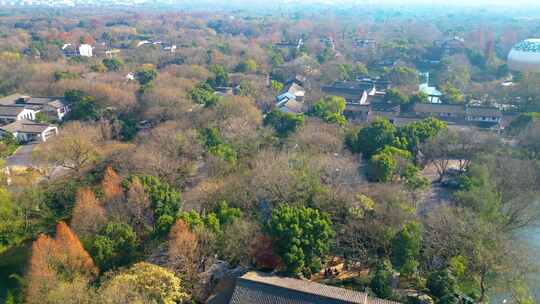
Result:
pixel 268 280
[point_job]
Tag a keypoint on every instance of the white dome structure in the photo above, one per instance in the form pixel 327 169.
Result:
pixel 525 56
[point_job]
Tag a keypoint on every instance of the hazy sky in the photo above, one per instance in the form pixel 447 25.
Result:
pixel 484 3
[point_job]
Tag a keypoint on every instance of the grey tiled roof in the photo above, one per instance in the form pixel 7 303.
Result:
pixel 10 110
pixel 484 111
pixel 11 99
pixel 293 88
pixel 438 108
pixel 52 101
pixel 25 126
pixel 255 288
pixel 32 102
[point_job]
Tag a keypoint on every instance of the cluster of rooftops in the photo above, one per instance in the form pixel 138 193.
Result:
pixel 365 101
pixel 19 115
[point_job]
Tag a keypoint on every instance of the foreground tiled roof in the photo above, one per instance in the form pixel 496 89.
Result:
pixel 258 288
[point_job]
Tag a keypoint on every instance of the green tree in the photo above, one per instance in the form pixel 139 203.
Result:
pixel 300 236
pixel 381 281
pixel 373 138
pixel 203 94
pixel 8 145
pixel 220 77
pixel 277 86
pixel 164 224
pixel 325 55
pixel 419 97
pixel 115 246
pixel 276 57
pixel 112 64
pixel 247 66
pixel 164 201
pixel 42 117
pixel 216 146
pixel 146 75
pixel 396 97
pixel 11 221
pixel 330 109
pixel 222 215
pixel 226 214
pixel 284 123
pixel 452 94
pixel 406 248
pixel 442 285
pixel 403 76
pixel 192 219
pixel 413 180
pixel 83 107
pixel 382 167
pixel 416 133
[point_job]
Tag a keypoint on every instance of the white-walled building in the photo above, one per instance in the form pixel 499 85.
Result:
pixel 85 50
pixel 29 131
pixel 18 114
pixel 55 108
pixel 9 114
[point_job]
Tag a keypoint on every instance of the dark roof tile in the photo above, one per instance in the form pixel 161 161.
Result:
pixel 256 287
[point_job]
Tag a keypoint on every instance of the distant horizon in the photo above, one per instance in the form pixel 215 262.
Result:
pixel 487 4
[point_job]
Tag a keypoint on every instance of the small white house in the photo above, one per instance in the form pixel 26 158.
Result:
pixel 85 50
pixel 28 131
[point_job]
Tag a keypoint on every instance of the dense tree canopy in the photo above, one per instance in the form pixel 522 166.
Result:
pixel 173 165
pixel 300 236
pixel 284 123
pixel 330 109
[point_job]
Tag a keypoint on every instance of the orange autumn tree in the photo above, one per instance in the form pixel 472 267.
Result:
pixel 62 259
pixel 184 252
pixel 41 277
pixel 88 215
pixel 113 195
pixel 112 185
